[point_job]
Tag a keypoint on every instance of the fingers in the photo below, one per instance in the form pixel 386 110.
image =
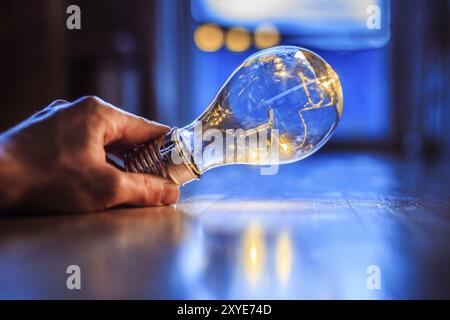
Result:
pixel 139 130
pixel 121 126
pixel 144 190
pixel 116 127
pixel 56 103
pixel 127 129
pixel 48 109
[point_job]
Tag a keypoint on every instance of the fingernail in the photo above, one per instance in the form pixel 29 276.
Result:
pixel 171 193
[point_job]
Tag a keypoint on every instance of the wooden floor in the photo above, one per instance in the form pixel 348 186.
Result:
pixel 310 232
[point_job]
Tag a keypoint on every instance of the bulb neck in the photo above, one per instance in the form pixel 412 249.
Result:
pixel 166 158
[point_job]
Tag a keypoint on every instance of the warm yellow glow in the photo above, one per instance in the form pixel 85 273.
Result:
pixel 282 73
pixel 208 37
pixel 326 84
pixel 334 82
pixel 266 36
pixel 218 115
pixel 253 253
pixel 280 68
pixel 325 99
pixel 283 142
pixel 283 257
pixel 299 55
pixel 255 156
pixel 237 39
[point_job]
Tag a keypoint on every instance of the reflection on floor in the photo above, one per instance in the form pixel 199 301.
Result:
pixel 334 226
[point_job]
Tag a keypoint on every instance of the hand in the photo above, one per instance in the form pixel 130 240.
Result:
pixel 56 160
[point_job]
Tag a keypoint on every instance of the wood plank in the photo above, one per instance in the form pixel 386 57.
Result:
pixel 311 231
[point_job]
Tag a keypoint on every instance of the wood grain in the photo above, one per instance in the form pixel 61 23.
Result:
pixel 309 232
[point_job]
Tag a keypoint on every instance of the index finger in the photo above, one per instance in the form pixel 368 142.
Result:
pixel 126 128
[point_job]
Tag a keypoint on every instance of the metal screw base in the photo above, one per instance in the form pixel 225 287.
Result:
pixel 156 158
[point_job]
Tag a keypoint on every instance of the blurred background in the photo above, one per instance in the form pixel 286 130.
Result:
pixel 310 231
pixel 166 59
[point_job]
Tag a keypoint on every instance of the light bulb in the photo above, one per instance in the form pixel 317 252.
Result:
pixel 279 106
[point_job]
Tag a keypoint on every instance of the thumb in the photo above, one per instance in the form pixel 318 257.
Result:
pixel 140 189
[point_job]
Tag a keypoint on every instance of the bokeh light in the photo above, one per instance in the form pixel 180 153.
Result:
pixel 266 35
pixel 208 37
pixel 237 39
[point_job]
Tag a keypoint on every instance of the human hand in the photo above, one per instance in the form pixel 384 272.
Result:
pixel 56 160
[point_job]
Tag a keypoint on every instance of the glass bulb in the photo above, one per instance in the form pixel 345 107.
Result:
pixel 279 106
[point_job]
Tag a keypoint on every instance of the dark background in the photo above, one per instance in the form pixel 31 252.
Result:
pixel 140 55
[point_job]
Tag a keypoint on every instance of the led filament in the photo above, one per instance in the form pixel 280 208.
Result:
pixel 279 106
